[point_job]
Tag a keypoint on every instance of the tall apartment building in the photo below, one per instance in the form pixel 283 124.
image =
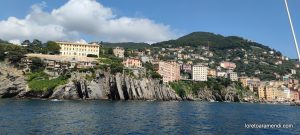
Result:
pixel 78 49
pixel 170 71
pixel 200 72
pixel 119 52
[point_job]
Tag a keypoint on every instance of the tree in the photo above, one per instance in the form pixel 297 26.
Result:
pixel 52 47
pixel 37 65
pixel 36 42
pixel 26 42
pixel 92 55
pixel 110 51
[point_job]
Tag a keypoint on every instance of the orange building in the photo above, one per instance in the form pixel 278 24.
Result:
pixel 132 63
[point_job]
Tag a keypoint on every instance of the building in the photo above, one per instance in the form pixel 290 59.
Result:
pixel 170 71
pixel 249 81
pixel 186 68
pixel 294 95
pixel 222 74
pixel 211 73
pixel 233 76
pixel 132 63
pixel 262 92
pixel 293 71
pixel 58 62
pixel 199 73
pixel 78 49
pixel 228 65
pixel 119 52
pixel 145 59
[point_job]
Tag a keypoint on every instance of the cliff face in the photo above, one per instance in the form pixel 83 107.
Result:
pixel 12 82
pixel 115 87
pixel 104 86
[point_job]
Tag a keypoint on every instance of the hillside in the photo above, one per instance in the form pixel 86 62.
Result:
pixel 130 45
pixel 251 58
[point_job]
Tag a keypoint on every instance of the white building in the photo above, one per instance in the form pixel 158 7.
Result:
pixel 222 74
pixel 293 71
pixel 233 76
pixel 200 72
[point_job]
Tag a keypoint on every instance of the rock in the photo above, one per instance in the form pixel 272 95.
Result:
pixel 12 82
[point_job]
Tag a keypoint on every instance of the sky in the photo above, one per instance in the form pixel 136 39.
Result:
pixel 263 21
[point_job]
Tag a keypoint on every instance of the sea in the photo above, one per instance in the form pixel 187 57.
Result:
pixel 80 117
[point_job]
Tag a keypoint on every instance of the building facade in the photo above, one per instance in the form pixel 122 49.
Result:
pixel 119 52
pixel 228 65
pixel 233 76
pixel 78 49
pixel 170 71
pixel 132 63
pixel 200 72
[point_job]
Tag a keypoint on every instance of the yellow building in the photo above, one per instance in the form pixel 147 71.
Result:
pixel 261 92
pixel 78 49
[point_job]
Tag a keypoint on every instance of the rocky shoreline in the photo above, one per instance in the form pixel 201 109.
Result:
pixel 106 86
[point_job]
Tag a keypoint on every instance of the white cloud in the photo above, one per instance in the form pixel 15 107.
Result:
pixel 82 17
pixel 15 41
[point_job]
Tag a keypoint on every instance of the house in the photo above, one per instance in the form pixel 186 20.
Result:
pixel 228 65
pixel 132 63
pixel 119 52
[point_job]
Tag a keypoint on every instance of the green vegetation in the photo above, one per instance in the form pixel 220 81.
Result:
pixel 215 41
pixel 52 48
pixel 92 55
pixel 113 63
pixel 248 56
pixel 37 65
pixel 129 45
pixel 150 72
pixel 213 84
pixel 41 82
pixel 13 53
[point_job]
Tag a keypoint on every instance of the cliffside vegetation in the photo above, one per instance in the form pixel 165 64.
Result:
pixel 217 86
pixel 42 82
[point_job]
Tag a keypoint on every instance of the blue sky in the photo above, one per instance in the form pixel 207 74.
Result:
pixel 263 21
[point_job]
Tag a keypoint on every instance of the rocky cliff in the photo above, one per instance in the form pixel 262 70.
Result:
pixel 103 86
pixel 115 87
pixel 12 81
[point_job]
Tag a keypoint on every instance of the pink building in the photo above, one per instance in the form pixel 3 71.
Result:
pixel 170 71
pixel 132 63
pixel 228 65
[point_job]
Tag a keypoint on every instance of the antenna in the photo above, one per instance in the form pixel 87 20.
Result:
pixel 292 28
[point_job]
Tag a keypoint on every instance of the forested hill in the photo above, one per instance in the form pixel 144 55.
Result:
pixel 251 58
pixel 130 45
pixel 215 41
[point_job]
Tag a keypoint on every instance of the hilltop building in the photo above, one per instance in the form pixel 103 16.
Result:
pixel 170 71
pixel 78 49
